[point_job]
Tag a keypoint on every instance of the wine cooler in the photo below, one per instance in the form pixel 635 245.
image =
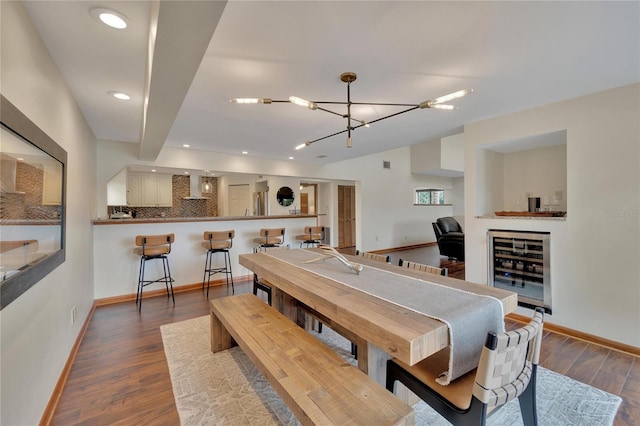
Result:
pixel 519 261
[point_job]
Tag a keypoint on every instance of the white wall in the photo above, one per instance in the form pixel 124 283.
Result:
pixel 457 199
pixel 539 172
pixel 386 216
pixel 595 251
pixel 36 331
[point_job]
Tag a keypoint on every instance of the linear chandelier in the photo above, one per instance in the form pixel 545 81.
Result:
pixel 354 123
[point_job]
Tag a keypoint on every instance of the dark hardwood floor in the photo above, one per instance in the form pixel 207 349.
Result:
pixel 120 375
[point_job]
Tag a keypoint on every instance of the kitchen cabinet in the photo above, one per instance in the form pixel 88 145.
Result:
pixel 149 190
pixel 52 184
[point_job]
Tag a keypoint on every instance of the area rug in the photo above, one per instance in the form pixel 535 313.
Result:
pixel 226 389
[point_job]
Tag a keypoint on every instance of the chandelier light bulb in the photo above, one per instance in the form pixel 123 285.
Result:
pixel 452 96
pixel 302 102
pixel 348 142
pixel 441 106
pixel 250 100
pixel 302 145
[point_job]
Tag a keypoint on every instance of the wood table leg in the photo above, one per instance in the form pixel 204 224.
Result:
pixel 376 362
pixel 220 337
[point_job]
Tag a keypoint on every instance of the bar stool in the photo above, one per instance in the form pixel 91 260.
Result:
pixel 270 237
pixel 151 247
pixel 313 235
pixel 218 242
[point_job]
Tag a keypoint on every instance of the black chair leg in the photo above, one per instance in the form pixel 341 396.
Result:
pixel 475 415
pixel 528 401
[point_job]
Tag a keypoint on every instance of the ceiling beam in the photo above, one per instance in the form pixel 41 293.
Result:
pixel 179 35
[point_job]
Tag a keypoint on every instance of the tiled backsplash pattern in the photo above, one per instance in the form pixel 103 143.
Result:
pixel 14 205
pixel 181 207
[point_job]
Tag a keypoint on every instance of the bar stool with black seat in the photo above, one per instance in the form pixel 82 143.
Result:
pixel 153 247
pixel 270 237
pixel 313 235
pixel 218 242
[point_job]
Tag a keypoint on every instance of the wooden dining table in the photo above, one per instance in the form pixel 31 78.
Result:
pixel 380 329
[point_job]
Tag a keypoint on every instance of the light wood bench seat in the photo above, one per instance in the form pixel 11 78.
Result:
pixel 316 383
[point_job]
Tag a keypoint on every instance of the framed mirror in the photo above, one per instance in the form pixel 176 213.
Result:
pixel 285 196
pixel 32 203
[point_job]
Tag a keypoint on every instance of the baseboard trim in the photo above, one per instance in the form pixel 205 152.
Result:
pixel 401 248
pixel 579 335
pixel 161 292
pixel 50 409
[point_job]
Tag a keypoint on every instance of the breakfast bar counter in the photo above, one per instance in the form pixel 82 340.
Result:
pixel 198 219
pixel 116 265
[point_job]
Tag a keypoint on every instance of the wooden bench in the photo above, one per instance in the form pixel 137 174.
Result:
pixel 316 383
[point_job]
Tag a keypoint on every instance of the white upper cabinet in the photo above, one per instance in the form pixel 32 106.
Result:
pixel 149 190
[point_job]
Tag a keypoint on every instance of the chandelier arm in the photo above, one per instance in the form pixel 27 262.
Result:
pixel 328 136
pixel 387 116
pixel 330 112
pixel 384 104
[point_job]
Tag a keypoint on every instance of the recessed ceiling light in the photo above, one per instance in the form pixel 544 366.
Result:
pixel 186 173
pixel 244 152
pixel 110 17
pixel 290 158
pixel 120 95
pixel 153 170
pixel 20 159
pixel 185 145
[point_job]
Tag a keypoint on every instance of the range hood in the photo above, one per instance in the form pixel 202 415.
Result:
pixel 195 191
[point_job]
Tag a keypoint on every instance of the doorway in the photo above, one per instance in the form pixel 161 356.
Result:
pixel 346 216
pixel 239 200
pixel 308 198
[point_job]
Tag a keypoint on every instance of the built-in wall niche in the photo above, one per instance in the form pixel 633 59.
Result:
pixel 510 172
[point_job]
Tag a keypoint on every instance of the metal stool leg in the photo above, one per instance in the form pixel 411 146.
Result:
pixel 210 270
pixel 228 271
pixel 167 278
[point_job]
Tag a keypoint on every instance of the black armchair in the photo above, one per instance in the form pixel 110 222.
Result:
pixel 450 237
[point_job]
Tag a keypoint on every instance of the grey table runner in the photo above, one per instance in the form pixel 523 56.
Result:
pixel 468 316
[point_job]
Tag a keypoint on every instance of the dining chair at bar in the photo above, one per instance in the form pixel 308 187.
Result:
pixel 154 247
pixel 424 268
pixel 270 237
pixel 507 370
pixel 218 242
pixel 313 235
pixel 373 256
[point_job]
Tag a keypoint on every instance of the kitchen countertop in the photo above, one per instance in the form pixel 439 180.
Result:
pixel 196 219
pixel 30 222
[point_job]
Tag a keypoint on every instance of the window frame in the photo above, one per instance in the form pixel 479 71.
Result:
pixel 431 191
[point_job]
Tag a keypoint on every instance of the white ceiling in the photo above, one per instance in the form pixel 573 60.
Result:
pixel 515 55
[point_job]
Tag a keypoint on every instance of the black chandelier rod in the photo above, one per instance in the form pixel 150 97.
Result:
pixel 363 124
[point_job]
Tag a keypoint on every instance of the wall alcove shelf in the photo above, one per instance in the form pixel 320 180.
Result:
pixel 532 214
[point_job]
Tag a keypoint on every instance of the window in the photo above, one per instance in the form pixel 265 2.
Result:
pixel 429 197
